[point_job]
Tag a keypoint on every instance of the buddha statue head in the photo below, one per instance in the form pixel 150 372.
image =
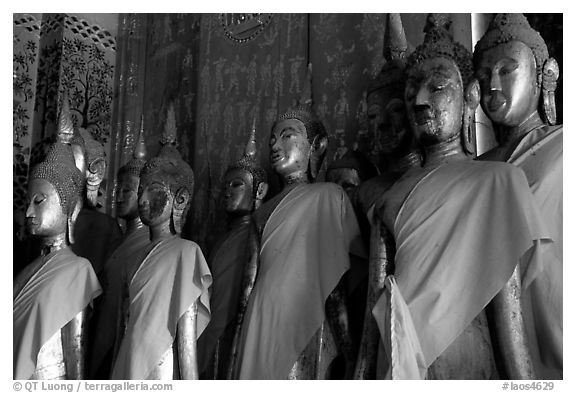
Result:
pixel 245 182
pixel 351 170
pixel 387 119
pixel 55 196
pixel 441 94
pixel 298 145
pixel 89 154
pixel 517 76
pixel 166 188
pixel 129 180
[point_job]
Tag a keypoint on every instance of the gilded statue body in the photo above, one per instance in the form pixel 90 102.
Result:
pixel 518 79
pixel 135 240
pixel 52 295
pixel 291 313
pixel 165 301
pixel 244 188
pixel 460 228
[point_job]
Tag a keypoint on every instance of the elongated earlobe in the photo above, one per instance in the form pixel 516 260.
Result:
pixel 317 152
pixel 471 101
pixel 550 75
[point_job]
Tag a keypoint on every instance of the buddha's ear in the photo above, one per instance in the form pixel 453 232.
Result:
pixel 179 204
pixel 317 153
pixel 261 192
pixel 72 219
pixel 471 100
pixel 550 75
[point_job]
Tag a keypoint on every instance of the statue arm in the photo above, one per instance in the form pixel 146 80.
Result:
pixel 186 340
pixel 337 315
pixel 74 345
pixel 508 323
pixel 248 280
pixel 380 264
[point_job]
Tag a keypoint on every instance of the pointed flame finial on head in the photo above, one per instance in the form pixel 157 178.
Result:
pixel 306 98
pixel 395 43
pixel 169 134
pixel 65 123
pixel 140 148
pixel 250 150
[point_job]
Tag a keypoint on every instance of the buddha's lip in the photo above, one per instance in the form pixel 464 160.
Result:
pixel 276 157
pixel 496 102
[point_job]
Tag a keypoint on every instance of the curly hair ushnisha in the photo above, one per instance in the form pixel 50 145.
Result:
pixel 176 173
pixel 59 169
pixel 249 163
pixel 438 42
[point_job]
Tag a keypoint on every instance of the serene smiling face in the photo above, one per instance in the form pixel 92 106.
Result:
pixel 237 192
pixel 289 148
pixel 508 80
pixel 44 215
pixel 127 196
pixel 434 100
pixel 154 201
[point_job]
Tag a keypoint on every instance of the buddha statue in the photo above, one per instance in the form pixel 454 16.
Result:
pixel 165 301
pixel 388 123
pixel 291 314
pixel 459 229
pixel 244 186
pixel 518 80
pixel 135 239
pixel 53 294
pixel 97 234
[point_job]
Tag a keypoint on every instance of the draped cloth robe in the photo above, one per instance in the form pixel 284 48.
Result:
pixel 51 298
pixel 539 154
pixel 304 252
pixel 227 265
pixel 459 234
pixel 172 277
pixel 107 306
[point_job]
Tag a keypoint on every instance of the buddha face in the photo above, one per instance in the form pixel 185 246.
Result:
pixel 127 196
pixel 434 100
pixel 237 192
pixel 154 201
pixel 44 216
pixel 289 148
pixel 347 178
pixel 508 81
pixel 387 120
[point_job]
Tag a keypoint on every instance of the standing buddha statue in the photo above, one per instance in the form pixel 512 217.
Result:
pixel 244 187
pixel 518 80
pixel 287 314
pixel 53 294
pixel 135 239
pixel 165 300
pixel 460 227
pixel 97 233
